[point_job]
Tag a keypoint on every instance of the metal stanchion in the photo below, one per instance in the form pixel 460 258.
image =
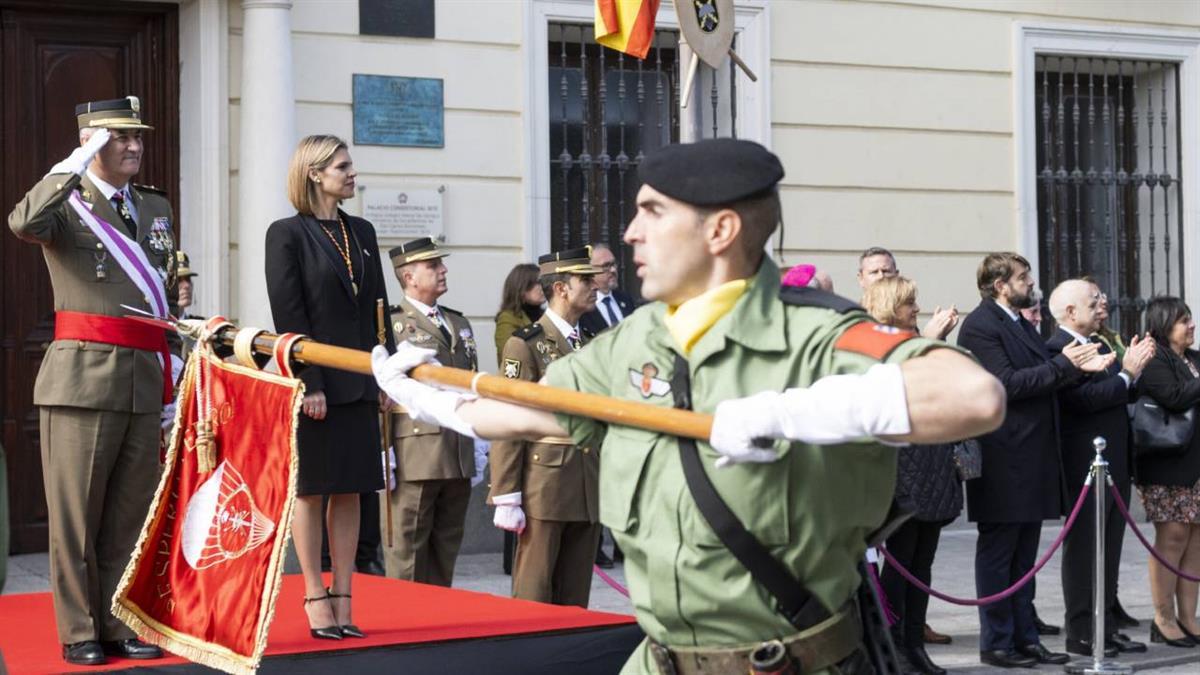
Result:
pixel 1098 664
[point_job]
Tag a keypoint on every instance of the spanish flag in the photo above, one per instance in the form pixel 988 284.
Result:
pixel 626 25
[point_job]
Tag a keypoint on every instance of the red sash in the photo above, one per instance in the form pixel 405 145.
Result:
pixel 114 330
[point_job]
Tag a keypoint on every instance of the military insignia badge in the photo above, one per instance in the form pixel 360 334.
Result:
pixel 512 369
pixel 872 339
pixel 468 339
pixel 398 327
pixel 707 27
pixel 541 347
pixel 646 382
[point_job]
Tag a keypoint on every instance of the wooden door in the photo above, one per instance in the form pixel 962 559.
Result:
pixel 52 57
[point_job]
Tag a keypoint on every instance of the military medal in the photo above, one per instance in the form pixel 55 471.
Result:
pixel 101 267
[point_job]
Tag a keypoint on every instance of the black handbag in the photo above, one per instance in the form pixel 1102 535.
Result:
pixel 1158 431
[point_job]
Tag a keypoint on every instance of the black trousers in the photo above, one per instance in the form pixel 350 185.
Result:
pixel 913 545
pixel 1004 553
pixel 1079 560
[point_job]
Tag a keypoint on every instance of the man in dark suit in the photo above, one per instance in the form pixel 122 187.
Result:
pixel 1021 483
pixel 612 304
pixel 1093 406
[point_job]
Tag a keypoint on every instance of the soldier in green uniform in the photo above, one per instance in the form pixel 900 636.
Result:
pixel 801 384
pixel 105 379
pixel 546 490
pixel 433 465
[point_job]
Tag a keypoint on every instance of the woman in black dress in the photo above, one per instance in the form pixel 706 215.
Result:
pixel 324 278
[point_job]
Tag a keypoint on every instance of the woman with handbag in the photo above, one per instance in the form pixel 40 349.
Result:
pixel 927 484
pixel 1169 478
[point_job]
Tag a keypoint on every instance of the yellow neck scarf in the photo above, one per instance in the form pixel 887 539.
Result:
pixel 691 320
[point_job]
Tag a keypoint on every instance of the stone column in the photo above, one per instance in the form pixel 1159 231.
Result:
pixel 267 139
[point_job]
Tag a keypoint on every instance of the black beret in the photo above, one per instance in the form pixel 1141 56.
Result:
pixel 711 172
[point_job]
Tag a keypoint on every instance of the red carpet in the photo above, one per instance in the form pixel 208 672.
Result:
pixel 390 612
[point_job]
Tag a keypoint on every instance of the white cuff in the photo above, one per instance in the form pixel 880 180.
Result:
pixel 510 499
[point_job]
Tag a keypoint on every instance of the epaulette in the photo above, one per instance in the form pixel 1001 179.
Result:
pixel 529 332
pixel 150 188
pixel 447 309
pixel 805 296
pixel 392 309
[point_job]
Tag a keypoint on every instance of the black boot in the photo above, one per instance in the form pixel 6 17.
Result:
pixel 920 660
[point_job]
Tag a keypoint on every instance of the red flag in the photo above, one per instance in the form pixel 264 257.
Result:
pixel 205 573
pixel 626 25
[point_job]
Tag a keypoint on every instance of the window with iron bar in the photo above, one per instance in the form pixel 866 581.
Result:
pixel 1109 199
pixel 607 110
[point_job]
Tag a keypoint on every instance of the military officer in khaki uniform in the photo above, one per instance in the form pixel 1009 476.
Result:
pixel 800 384
pixel 546 490
pixel 102 385
pixel 433 465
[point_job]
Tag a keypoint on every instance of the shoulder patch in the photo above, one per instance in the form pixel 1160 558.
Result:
pixel 150 188
pixel 512 368
pixel 529 332
pixel 804 296
pixel 872 339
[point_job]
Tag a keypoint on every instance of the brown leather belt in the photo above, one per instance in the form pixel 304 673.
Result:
pixel 813 649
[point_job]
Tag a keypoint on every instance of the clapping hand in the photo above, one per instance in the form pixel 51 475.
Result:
pixel 1141 350
pixel 1086 357
pixel 942 322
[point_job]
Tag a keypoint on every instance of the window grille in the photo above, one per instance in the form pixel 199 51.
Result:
pixel 1109 196
pixel 607 110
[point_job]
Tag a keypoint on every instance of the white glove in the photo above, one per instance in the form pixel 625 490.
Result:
pixel 77 162
pixel 423 402
pixel 482 448
pixel 835 409
pixel 168 415
pixel 389 468
pixel 509 515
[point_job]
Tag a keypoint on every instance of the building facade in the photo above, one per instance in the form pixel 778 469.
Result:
pixel 1062 129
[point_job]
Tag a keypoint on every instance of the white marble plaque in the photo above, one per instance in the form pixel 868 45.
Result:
pixel 404 212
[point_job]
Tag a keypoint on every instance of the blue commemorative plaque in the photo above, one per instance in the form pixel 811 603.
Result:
pixel 407 111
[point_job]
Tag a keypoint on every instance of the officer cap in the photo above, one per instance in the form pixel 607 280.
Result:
pixel 183 269
pixel 416 251
pixel 118 113
pixel 712 172
pixel 573 261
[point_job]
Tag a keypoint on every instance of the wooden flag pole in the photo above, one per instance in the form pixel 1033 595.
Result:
pixel 385 423
pixel 672 421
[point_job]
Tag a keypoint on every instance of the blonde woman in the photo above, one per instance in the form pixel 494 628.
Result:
pixel 324 277
pixel 926 484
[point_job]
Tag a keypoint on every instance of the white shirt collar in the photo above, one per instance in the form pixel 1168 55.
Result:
pixel 1011 314
pixel 1078 338
pixel 560 323
pixel 422 307
pixel 601 295
pixel 105 189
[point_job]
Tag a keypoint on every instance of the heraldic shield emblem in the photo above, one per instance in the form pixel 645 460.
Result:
pixel 707 27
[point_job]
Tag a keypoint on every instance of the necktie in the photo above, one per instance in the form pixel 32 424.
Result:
pixel 122 207
pixel 573 339
pixel 610 314
pixel 436 318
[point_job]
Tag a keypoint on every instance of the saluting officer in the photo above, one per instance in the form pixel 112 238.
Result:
pixel 433 465
pixel 546 490
pixel 811 369
pixel 104 380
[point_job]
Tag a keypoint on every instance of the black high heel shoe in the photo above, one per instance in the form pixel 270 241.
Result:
pixel 1187 633
pixel 325 632
pixel 1157 637
pixel 349 629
